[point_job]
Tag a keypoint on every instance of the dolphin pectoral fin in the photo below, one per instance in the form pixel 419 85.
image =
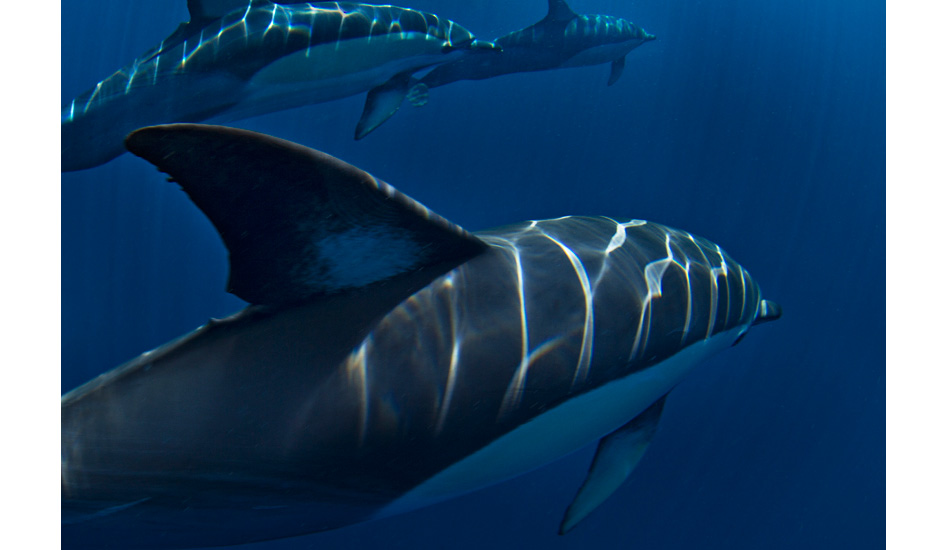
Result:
pixel 617 456
pixel 418 95
pixel 616 69
pixel 382 102
pixel 300 224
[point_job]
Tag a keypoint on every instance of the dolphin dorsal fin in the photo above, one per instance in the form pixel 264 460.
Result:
pixel 203 12
pixel 558 10
pixel 300 224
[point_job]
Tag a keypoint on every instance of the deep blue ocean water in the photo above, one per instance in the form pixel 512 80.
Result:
pixel 757 124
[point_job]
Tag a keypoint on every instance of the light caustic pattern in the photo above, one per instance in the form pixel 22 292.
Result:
pixel 244 41
pixel 553 308
pixel 607 27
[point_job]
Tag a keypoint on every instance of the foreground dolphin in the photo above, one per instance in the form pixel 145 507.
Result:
pixel 389 359
pixel 236 59
pixel 562 39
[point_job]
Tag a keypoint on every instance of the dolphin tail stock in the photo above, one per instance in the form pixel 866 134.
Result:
pixel 618 453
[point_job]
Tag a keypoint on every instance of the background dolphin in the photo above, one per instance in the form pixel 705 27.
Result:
pixel 236 59
pixel 562 39
pixel 389 359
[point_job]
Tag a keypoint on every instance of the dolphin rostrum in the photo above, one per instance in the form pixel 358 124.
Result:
pixel 238 58
pixel 562 39
pixel 388 359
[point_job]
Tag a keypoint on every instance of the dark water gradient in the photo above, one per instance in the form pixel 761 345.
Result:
pixel 757 124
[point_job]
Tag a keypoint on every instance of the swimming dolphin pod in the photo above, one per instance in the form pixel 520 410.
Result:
pixel 388 359
pixel 238 58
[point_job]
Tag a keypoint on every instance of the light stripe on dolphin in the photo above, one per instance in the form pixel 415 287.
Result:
pixel 562 39
pixel 236 59
pixel 451 361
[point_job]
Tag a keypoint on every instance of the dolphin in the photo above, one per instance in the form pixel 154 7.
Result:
pixel 235 59
pixel 388 359
pixel 562 39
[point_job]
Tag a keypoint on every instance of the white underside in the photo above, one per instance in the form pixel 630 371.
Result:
pixel 562 430
pixel 600 54
pixel 337 70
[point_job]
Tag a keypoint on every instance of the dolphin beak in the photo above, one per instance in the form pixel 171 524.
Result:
pixel 768 311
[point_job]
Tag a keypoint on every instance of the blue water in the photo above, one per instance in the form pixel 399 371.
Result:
pixel 757 124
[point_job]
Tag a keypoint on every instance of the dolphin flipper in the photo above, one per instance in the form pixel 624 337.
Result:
pixel 300 224
pixel 616 69
pixel 617 456
pixel 382 102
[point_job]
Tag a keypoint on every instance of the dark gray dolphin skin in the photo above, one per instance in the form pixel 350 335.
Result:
pixel 388 359
pixel 562 39
pixel 240 58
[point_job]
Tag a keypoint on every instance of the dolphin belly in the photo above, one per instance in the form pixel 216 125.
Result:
pixel 597 55
pixel 560 431
pixel 336 70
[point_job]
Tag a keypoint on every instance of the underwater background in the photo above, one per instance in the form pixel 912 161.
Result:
pixel 757 124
